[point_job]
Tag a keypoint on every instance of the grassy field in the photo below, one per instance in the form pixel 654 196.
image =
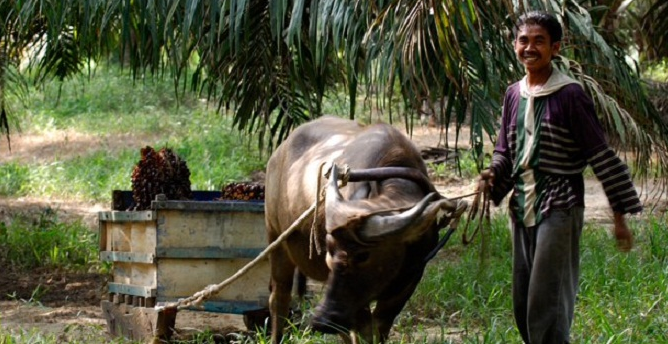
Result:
pixel 463 298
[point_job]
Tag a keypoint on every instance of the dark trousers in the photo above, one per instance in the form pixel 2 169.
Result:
pixel 546 267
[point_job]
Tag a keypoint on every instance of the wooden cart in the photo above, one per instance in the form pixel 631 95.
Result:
pixel 175 250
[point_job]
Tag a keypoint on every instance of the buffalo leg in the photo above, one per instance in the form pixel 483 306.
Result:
pixel 282 272
pixel 363 331
pixel 300 284
pixel 388 309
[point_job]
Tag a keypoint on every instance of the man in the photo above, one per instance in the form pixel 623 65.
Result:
pixel 549 134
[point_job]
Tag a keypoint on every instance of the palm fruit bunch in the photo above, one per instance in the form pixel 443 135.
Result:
pixel 177 176
pixel 161 172
pixel 243 191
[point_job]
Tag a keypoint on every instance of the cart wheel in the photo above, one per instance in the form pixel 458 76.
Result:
pixel 257 319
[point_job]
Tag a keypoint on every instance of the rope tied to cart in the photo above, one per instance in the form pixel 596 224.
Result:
pixel 196 299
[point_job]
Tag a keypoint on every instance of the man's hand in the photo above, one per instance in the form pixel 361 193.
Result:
pixel 486 181
pixel 622 233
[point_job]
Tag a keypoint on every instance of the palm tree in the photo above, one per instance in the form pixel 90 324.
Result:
pixel 273 62
pixel 654 39
pixel 635 24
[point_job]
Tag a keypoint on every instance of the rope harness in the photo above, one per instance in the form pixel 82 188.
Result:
pixel 319 200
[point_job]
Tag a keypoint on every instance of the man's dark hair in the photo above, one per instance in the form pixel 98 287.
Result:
pixel 543 19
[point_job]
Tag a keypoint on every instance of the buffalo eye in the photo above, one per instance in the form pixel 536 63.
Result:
pixel 360 258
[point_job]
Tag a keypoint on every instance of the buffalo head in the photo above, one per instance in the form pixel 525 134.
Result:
pixel 365 247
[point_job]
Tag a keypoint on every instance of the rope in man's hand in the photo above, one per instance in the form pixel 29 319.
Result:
pixel 484 186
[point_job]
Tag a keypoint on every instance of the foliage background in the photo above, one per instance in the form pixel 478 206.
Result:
pixel 274 62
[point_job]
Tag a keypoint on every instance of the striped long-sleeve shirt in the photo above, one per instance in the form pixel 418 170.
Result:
pixel 567 138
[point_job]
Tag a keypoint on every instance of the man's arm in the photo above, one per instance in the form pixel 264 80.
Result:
pixel 497 178
pixel 608 168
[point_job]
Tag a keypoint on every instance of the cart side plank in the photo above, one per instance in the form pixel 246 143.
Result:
pixel 185 229
pixel 252 286
pixel 135 274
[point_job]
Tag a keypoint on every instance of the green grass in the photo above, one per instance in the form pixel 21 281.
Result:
pixel 622 296
pixel 109 102
pixel 28 242
pixel 465 167
pixel 73 334
pixel 657 71
pixel 13 176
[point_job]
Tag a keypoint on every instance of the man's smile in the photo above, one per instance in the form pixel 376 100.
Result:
pixel 531 57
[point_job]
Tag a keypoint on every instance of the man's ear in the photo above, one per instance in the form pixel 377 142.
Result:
pixel 556 47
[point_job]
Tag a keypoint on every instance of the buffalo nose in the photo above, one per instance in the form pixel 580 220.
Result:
pixel 330 323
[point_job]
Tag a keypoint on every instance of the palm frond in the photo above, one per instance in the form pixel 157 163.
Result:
pixel 626 112
pixel 438 51
pixel 654 29
pixel 625 131
pixel 271 85
pixel 273 62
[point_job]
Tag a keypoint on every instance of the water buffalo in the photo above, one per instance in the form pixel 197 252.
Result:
pixel 377 232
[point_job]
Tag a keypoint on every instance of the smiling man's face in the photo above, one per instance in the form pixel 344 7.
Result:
pixel 534 48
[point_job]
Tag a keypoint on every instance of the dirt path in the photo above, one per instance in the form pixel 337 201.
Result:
pixel 59 145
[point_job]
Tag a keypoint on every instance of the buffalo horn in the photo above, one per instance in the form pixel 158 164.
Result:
pixel 333 197
pixel 333 187
pixel 381 225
